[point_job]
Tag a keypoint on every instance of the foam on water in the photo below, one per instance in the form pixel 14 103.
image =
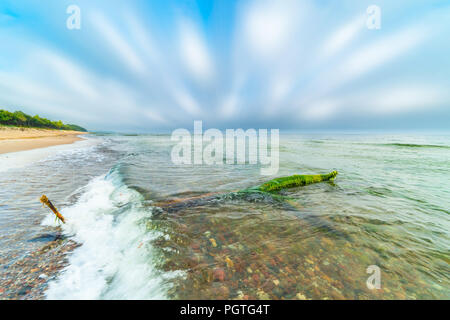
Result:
pixel 15 160
pixel 115 259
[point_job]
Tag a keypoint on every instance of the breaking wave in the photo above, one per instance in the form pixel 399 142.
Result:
pixel 115 259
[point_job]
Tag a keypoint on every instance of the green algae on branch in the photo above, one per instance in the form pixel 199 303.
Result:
pixel 264 192
pixel 295 181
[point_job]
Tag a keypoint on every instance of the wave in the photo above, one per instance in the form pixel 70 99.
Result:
pixel 411 145
pixel 115 260
pixel 20 159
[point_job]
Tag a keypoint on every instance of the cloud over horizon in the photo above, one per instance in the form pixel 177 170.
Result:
pixel 146 66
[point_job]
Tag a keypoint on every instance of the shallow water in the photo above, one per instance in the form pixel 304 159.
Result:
pixel 388 207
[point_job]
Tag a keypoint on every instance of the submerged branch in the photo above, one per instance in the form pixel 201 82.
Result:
pixel 264 192
pixel 295 181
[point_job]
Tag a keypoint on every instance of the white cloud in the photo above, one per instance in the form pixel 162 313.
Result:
pixel 118 42
pixel 280 88
pixel 194 52
pixel 386 101
pixel 343 36
pixel 378 53
pixel 77 79
pixel 143 38
pixel 320 110
pixel 278 91
pixel 20 86
pixel 186 101
pixel 153 115
pixel 59 86
pixel 404 99
pixel 229 106
pixel 270 25
pixel 362 61
pixel 279 67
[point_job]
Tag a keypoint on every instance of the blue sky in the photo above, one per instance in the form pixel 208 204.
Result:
pixel 158 65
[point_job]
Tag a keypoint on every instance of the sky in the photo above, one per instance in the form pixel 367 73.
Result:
pixel 146 66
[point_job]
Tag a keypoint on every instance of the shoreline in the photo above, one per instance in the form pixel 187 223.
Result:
pixel 15 139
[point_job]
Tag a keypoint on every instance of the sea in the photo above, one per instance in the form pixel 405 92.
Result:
pixel 147 228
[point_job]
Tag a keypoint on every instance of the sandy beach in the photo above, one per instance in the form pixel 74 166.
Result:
pixel 20 139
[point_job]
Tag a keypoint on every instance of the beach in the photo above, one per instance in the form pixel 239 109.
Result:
pixel 388 207
pixel 14 139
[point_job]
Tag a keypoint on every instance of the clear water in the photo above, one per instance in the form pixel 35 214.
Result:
pixel 150 229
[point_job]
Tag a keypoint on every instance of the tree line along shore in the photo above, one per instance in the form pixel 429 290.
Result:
pixel 21 119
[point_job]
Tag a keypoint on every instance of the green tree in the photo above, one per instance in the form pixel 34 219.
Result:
pixel 21 119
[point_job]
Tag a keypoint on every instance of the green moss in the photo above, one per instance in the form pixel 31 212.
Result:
pixel 295 181
pixel 265 193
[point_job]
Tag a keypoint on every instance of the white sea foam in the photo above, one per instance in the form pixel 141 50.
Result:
pixel 115 259
pixel 15 160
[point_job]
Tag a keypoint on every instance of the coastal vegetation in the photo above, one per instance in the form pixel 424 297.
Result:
pixel 21 119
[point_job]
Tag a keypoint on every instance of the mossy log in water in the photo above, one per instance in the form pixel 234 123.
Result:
pixel 264 192
pixel 295 181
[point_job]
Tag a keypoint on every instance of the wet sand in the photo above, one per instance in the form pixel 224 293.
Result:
pixel 20 139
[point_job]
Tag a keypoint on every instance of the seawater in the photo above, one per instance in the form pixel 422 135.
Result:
pixel 150 229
